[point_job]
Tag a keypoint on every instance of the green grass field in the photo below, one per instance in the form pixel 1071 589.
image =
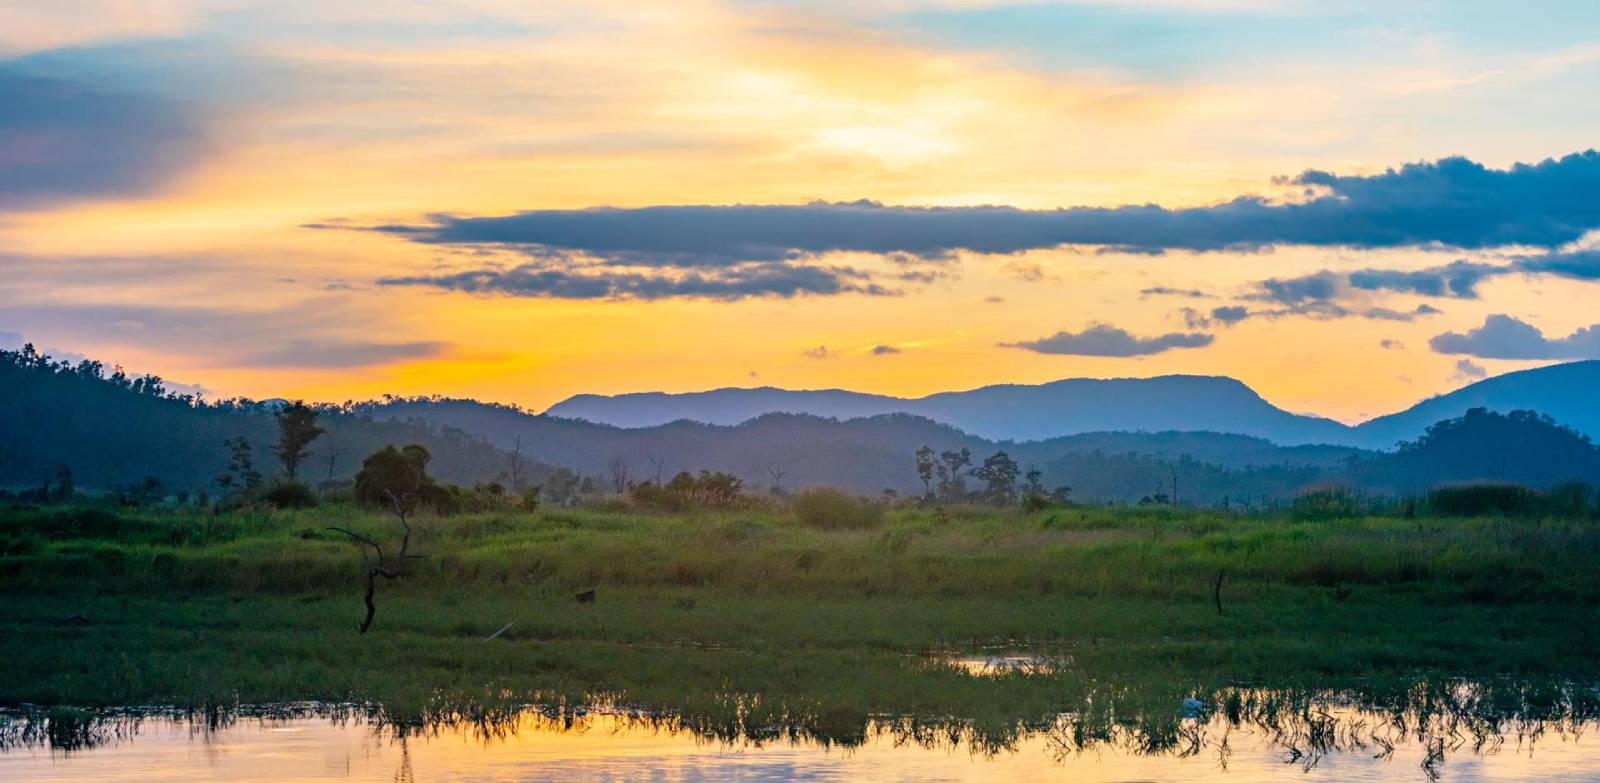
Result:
pixel 734 620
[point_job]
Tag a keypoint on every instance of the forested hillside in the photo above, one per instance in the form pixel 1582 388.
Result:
pixel 110 429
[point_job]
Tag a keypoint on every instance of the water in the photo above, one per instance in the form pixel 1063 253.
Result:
pixel 1324 741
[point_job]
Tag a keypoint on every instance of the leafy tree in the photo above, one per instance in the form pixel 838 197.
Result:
pixel 63 489
pixel 952 473
pixel 397 478
pixel 999 475
pixel 242 475
pixel 297 427
pixel 925 470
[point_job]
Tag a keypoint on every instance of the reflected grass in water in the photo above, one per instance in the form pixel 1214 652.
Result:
pixel 1443 718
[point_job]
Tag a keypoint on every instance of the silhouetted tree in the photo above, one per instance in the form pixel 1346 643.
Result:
pixel 999 476
pixel 391 476
pixel 952 473
pixel 63 489
pixel 399 478
pixel 925 469
pixel 297 427
pixel 241 475
pixel 618 468
pixel 516 464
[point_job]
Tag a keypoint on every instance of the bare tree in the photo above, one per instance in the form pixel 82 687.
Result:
pixel 517 464
pixel 402 507
pixel 398 476
pixel 658 463
pixel 333 455
pixel 618 467
pixel 777 478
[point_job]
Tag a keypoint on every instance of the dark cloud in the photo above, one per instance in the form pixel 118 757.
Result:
pixel 1505 337
pixel 1391 345
pixel 744 281
pixel 1108 340
pixel 1578 265
pixel 884 350
pixel 61 140
pixel 1458 280
pixel 1452 202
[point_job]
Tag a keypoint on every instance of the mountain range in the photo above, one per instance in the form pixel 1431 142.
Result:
pixel 1184 403
pixel 111 431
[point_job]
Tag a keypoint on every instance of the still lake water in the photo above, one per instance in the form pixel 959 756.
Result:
pixel 606 747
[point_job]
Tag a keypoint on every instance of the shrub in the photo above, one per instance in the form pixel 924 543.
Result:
pixel 1487 498
pixel 1573 499
pixel 832 509
pixel 289 494
pixel 1330 503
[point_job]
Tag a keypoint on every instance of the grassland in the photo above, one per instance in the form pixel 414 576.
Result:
pixel 737 620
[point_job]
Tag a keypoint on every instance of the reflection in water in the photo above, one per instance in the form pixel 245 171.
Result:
pixel 1429 731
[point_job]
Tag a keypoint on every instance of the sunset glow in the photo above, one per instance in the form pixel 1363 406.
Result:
pixel 257 197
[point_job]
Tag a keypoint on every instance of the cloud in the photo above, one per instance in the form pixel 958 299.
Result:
pixel 1468 370
pixel 884 350
pixel 1391 345
pixel 588 282
pixel 10 341
pixel 819 352
pixel 1226 316
pixel 1305 307
pixel 1108 340
pixel 1161 290
pixel 1578 265
pixel 1452 202
pixel 1230 315
pixel 1317 286
pixel 61 140
pixel 1456 280
pixel 1504 337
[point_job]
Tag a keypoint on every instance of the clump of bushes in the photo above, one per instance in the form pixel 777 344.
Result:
pixel 1574 499
pixel 1326 503
pixel 289 494
pixel 686 490
pixel 1483 499
pixel 831 509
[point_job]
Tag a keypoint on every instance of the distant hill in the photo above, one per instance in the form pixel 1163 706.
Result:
pixel 1520 447
pixel 1005 412
pixel 874 453
pixel 1567 393
pixel 1171 403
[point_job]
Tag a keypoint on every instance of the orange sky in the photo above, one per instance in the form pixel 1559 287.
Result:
pixel 204 273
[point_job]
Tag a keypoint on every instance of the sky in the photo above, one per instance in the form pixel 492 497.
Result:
pixel 1347 205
